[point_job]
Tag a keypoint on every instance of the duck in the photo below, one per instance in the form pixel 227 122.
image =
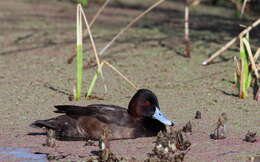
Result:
pixel 143 118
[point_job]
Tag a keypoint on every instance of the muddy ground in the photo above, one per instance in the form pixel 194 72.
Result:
pixel 37 38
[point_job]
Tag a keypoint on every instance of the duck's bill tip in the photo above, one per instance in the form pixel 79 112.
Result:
pixel 158 115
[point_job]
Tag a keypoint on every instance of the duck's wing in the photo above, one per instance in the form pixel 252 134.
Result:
pixel 88 110
pixel 105 113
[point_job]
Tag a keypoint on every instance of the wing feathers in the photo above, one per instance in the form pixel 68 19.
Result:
pixel 88 110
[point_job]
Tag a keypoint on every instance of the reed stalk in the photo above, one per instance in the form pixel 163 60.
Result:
pixel 93 82
pixel 124 77
pixel 128 26
pixel 79 47
pixel 257 54
pixel 243 73
pixel 231 42
pixel 251 57
pixel 186 33
pixel 80 14
pixel 85 34
pixel 94 48
pixel 243 8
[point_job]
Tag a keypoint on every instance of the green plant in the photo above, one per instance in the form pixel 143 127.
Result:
pixel 84 3
pixel 243 76
pixel 93 82
pixel 79 55
pixel 246 67
pixel 79 63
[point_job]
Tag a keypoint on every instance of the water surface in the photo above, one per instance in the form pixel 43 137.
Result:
pixel 21 154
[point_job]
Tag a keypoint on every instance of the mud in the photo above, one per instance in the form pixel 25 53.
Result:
pixel 37 38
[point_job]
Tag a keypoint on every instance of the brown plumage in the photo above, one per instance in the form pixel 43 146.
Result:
pixel 142 119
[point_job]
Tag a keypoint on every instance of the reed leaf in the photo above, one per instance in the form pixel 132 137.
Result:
pixel 244 76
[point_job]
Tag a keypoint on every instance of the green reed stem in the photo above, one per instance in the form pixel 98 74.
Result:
pixel 79 54
pixel 93 82
pixel 79 71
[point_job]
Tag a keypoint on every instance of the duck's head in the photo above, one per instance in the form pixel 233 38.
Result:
pixel 145 104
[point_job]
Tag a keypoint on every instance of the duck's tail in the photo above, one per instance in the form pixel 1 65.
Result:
pixel 43 124
pixel 64 127
pixel 57 123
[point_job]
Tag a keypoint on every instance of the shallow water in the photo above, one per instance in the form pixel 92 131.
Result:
pixel 21 154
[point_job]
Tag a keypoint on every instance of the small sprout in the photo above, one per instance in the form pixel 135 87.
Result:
pixel 198 115
pixel 103 150
pixel 220 130
pixel 105 154
pixel 250 137
pixel 71 97
pixel 50 139
pixel 187 128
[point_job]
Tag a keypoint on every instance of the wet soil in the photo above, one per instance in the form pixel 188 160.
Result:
pixel 37 38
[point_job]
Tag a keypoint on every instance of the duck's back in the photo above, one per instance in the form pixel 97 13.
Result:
pixel 81 123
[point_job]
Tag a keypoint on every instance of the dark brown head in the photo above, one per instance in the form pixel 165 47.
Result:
pixel 145 104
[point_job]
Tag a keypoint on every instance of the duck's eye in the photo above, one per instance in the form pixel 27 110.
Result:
pixel 147 103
